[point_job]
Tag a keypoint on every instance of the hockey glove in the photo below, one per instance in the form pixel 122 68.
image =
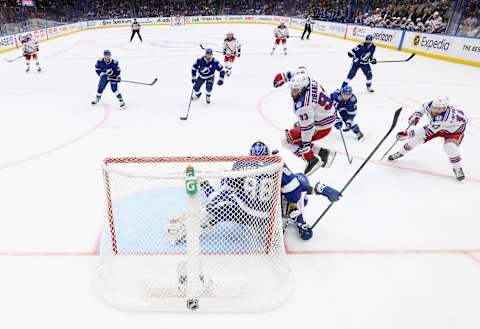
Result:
pixel 220 82
pixel 413 120
pixel 332 194
pixel 338 124
pixel 374 61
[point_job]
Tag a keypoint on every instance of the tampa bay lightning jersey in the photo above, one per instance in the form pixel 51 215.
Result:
pixel 349 105
pixel 112 69
pixel 363 52
pixel 293 185
pixel 206 69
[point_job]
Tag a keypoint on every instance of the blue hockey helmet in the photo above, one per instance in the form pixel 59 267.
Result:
pixel 107 53
pixel 208 51
pixel 259 149
pixel 369 37
pixel 346 91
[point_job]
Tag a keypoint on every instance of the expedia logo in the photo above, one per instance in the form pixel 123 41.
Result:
pixel 428 43
pixel 416 40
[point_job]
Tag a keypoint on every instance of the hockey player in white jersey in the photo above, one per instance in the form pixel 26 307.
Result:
pixel 231 49
pixel 281 35
pixel 30 50
pixel 446 122
pixel 316 117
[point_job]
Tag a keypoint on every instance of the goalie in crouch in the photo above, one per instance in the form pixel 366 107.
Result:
pixel 248 200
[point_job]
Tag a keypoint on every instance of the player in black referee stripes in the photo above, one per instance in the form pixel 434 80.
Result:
pixel 308 27
pixel 135 30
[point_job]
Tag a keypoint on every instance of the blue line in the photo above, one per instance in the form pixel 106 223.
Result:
pixel 401 40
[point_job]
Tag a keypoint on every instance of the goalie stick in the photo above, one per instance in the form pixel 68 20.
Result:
pixel 12 60
pixel 398 61
pixel 394 123
pixel 391 147
pixel 185 117
pixel 138 83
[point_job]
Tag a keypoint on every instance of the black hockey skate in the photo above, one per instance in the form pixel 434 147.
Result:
pixel 327 156
pixel 312 165
pixel 395 156
pixel 195 97
pixel 459 174
pixel 360 136
pixel 122 105
pixel 208 99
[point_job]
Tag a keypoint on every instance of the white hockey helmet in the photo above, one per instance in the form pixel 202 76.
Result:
pixel 229 33
pixel 441 102
pixel 299 82
pixel 301 70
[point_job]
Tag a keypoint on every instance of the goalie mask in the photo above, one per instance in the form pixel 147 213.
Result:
pixel 259 149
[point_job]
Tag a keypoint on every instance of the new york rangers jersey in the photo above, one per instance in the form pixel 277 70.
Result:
pixel 111 69
pixel 349 106
pixel 29 46
pixel 450 121
pixel 206 69
pixel 281 33
pixel 231 47
pixel 363 53
pixel 315 111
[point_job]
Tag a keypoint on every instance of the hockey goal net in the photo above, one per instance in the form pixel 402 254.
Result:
pixel 178 20
pixel 193 233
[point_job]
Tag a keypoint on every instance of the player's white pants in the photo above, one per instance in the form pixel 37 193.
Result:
pixel 450 148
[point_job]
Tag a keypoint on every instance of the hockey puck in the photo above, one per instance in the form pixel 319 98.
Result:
pixel 274 152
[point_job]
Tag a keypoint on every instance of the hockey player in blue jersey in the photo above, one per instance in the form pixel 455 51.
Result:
pixel 362 57
pixel 203 71
pixel 109 71
pixel 294 189
pixel 345 103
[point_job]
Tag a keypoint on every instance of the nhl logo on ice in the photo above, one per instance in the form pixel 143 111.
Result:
pixel 192 304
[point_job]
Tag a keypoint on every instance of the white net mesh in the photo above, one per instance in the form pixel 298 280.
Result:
pixel 188 233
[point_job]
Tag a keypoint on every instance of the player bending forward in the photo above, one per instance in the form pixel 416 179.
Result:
pixel 294 189
pixel 316 116
pixel 446 122
pixel 205 67
pixel 362 56
pixel 231 49
pixel 281 36
pixel 345 103
pixel 30 50
pixel 109 72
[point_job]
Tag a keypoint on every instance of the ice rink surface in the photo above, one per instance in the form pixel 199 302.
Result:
pixel 400 250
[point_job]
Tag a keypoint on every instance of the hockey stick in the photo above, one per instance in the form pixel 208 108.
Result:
pixel 137 83
pixel 185 117
pixel 350 160
pixel 400 61
pixel 394 123
pixel 391 147
pixel 12 60
pixel 215 51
